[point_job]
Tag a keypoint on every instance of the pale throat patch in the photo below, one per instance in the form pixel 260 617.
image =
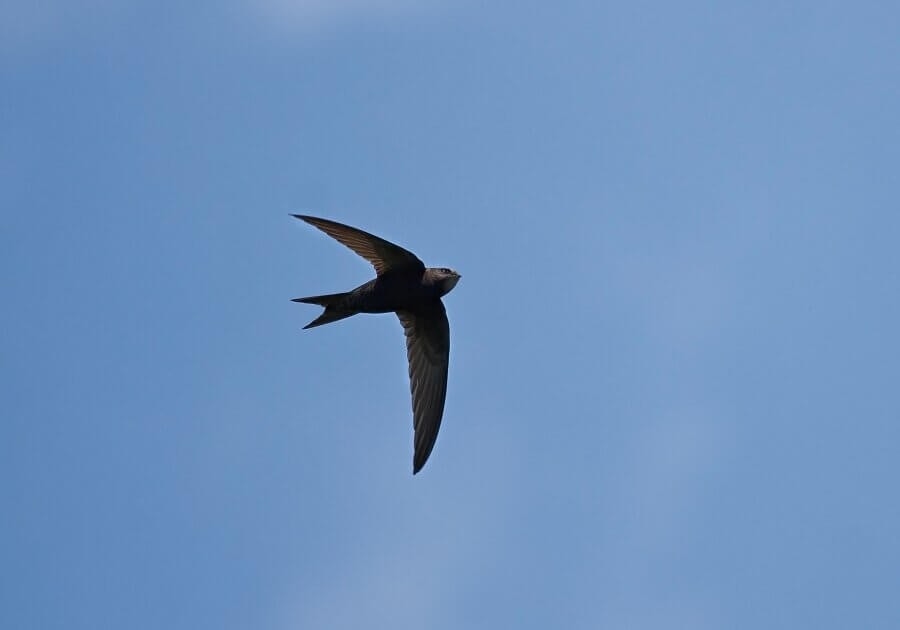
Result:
pixel 449 283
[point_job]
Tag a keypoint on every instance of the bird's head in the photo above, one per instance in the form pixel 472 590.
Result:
pixel 443 279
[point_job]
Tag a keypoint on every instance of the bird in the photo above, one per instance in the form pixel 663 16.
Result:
pixel 402 285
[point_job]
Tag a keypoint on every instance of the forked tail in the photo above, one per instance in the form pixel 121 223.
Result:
pixel 333 311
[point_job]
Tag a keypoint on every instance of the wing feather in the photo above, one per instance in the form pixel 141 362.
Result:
pixel 382 254
pixel 428 351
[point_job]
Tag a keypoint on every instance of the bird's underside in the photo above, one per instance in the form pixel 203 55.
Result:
pixel 403 285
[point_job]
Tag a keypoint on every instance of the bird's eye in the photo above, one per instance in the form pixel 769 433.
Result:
pixel 445 270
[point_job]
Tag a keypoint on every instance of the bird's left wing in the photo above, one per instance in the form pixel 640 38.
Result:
pixel 382 254
pixel 428 350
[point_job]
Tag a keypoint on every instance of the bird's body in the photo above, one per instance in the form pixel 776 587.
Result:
pixel 393 291
pixel 406 287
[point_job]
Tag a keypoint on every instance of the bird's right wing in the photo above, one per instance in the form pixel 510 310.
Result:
pixel 428 350
pixel 382 254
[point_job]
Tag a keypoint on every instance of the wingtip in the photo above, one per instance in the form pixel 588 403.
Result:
pixel 307 218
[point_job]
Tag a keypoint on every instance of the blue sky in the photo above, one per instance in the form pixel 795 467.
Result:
pixel 673 395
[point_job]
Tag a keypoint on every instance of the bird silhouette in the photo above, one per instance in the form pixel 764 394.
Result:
pixel 403 285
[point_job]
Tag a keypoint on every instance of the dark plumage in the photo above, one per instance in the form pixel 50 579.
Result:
pixel 404 286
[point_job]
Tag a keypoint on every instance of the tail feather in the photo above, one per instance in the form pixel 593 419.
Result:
pixel 321 300
pixel 327 317
pixel 332 311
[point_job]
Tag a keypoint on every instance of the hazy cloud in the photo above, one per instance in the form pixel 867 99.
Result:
pixel 26 27
pixel 318 15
